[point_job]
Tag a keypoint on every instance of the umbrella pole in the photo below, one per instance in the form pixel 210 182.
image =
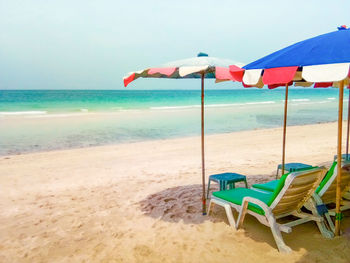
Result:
pixel 340 122
pixel 284 130
pixel 347 132
pixel 204 209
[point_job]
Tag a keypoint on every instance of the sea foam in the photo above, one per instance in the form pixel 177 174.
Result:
pixel 211 105
pixel 22 112
pixel 174 107
pixel 299 100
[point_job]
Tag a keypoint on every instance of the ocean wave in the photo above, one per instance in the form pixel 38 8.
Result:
pixel 322 101
pixel 174 107
pixel 210 105
pixel 260 102
pixel 318 102
pixel 224 105
pixel 299 100
pixel 22 112
pixel 331 98
pixel 60 115
pixel 310 103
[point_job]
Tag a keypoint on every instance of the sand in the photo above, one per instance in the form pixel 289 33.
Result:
pixel 140 202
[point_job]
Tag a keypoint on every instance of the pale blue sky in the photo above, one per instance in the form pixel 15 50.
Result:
pixel 93 44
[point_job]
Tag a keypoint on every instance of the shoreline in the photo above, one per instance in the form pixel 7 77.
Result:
pixel 172 138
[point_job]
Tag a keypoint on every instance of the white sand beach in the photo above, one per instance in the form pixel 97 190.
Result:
pixel 141 202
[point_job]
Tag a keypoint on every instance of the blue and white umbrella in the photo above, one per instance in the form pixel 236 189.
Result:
pixel 321 61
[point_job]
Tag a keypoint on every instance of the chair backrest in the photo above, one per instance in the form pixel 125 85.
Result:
pixel 328 191
pixel 297 189
pixel 330 175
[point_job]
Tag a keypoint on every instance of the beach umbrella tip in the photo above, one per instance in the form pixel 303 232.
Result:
pixel 202 54
pixel 343 27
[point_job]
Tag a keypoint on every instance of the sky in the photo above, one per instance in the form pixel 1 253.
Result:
pixel 94 44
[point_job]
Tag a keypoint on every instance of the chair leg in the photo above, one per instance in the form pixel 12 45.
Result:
pixel 208 189
pixel 282 247
pixel 330 222
pixel 224 186
pixel 229 215
pixel 241 215
pixel 316 200
pixel 246 184
pixel 211 205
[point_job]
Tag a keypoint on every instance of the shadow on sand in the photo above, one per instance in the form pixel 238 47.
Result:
pixel 184 203
pixel 177 203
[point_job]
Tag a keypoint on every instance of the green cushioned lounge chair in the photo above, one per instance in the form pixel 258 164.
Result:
pixel 326 191
pixel 288 198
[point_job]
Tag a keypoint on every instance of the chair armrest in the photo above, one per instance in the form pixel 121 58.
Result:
pixel 258 202
pixel 244 207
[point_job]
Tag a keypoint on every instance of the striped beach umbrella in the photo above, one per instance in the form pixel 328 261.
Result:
pixel 321 61
pixel 201 67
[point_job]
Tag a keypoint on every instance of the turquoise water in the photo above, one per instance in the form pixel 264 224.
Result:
pixel 58 119
pixel 54 101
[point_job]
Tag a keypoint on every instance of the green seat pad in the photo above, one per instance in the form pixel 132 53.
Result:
pixel 236 196
pixel 328 175
pixel 269 186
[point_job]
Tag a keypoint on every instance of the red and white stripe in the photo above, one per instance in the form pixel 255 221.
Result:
pixel 325 75
pixel 221 73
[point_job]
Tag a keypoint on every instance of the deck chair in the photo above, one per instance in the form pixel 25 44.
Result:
pixel 325 192
pixel 287 199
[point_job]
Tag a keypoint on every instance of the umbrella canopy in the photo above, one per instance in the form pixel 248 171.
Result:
pixel 212 67
pixel 202 67
pixel 323 60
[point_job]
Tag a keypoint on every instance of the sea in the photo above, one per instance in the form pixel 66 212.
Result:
pixel 44 120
